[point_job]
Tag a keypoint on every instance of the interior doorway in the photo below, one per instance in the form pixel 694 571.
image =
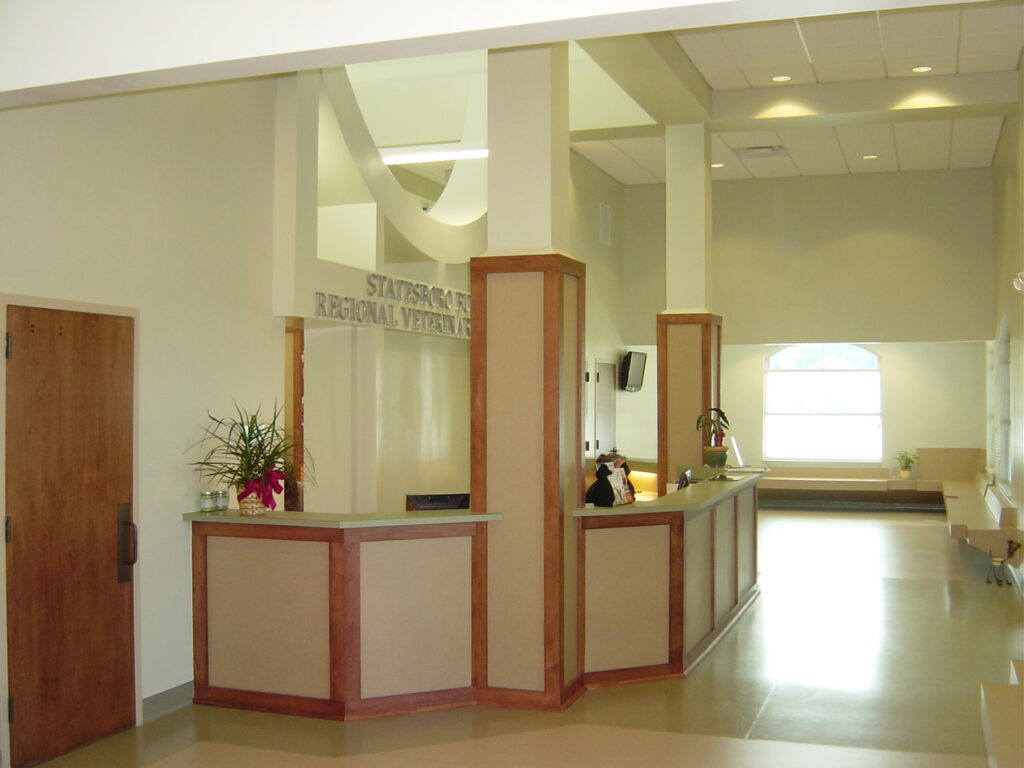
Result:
pixel 71 541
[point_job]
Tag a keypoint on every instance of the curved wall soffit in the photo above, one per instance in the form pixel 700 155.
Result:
pixel 452 244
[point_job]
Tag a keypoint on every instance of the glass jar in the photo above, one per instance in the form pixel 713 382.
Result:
pixel 207 501
pixel 221 502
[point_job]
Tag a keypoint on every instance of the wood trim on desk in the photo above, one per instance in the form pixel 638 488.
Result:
pixel 607 677
pixel 200 610
pixel 478 390
pixel 275 703
pixel 554 604
pixel 479 608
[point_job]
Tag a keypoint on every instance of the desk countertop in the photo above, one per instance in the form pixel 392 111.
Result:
pixel 694 498
pixel 328 520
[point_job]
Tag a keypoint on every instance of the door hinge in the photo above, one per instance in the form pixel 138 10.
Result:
pixel 10 710
pixel 7 345
pixel 597 444
pixel 586 376
pixel 7 529
pixel 586 445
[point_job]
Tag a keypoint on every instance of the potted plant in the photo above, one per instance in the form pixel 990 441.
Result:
pixel 250 455
pixel 906 460
pixel 712 425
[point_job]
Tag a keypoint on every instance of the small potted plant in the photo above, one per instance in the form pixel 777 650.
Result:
pixel 712 425
pixel 250 455
pixel 906 460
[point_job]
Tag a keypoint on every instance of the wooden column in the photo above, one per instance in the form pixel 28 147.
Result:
pixel 689 354
pixel 526 421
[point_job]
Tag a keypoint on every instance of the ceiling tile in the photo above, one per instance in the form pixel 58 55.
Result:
pixel 837 71
pixel 974 141
pixel 875 139
pixel 770 36
pixel 897 67
pixel 742 139
pixel 761 76
pixel 771 167
pixel 988 63
pixel 732 167
pixel 979 19
pixel 709 54
pixel 917 23
pixel 613 162
pixel 842 38
pixel 815 151
pixel 923 48
pixel 923 146
pixel 648 153
pixel 1007 41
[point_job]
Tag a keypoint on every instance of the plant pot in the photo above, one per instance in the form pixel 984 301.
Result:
pixel 251 505
pixel 904 474
pixel 715 455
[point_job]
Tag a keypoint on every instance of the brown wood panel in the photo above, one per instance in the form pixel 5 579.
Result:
pixel 629 521
pixel 400 532
pixel 479 608
pixel 409 702
pixel 200 612
pixel 538 262
pixel 632 675
pixel 270 702
pixel 69 406
pixel 675 594
pixel 554 560
pixel 336 619
pixel 352 676
pixel 478 390
pixel 267 531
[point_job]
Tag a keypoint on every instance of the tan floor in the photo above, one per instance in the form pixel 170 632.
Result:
pixel 867 648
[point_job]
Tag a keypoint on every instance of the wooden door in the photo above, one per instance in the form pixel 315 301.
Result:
pixel 69 467
pixel 604 408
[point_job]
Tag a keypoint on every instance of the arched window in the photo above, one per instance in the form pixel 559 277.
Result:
pixel 823 402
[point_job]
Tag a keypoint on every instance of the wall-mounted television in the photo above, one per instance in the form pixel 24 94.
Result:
pixel 631 371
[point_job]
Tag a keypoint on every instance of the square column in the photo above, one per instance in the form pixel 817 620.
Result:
pixel 526 451
pixel 689 355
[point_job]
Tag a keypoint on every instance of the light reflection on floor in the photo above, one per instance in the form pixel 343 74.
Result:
pixel 866 649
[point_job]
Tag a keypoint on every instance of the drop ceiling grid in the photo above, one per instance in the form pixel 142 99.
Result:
pixel 859 46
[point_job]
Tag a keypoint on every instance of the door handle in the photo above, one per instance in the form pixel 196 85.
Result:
pixel 127 543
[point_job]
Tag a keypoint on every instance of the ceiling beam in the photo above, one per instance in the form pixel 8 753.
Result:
pixel 897 99
pixel 657 75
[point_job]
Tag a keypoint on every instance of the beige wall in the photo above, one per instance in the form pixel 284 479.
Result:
pixel 933 396
pixel 161 202
pixel 423 417
pixel 605 289
pixel 644 262
pixel 1008 189
pixel 861 257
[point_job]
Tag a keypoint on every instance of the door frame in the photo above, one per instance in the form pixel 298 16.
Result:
pixel 98 309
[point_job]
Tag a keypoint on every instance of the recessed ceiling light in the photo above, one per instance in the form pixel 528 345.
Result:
pixel 781 79
pixel 718 165
pixel 922 68
pixel 870 157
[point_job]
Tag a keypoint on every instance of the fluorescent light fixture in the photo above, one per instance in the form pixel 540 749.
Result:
pixel 718 165
pixel 430 153
pixel 922 68
pixel 1018 282
pixel 870 157
pixel 781 79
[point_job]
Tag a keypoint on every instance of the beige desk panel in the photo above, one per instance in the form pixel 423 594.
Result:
pixel 415 614
pixel 515 451
pixel 268 615
pixel 697 582
pixel 725 559
pixel 627 594
pixel 746 534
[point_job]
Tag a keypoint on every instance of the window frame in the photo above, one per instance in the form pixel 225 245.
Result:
pixel 878 370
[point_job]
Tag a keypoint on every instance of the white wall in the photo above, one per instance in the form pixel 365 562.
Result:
pixel 933 396
pixel 160 202
pixel 861 257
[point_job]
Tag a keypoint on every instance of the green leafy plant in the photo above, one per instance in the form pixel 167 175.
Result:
pixel 906 459
pixel 248 453
pixel 712 424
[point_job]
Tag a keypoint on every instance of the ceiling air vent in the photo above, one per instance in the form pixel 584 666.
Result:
pixel 754 153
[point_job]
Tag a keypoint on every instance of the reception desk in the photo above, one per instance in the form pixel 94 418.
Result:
pixel 352 616
pixel 662 581
pixel 337 616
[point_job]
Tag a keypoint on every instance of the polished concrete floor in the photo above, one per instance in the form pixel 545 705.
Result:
pixel 866 648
